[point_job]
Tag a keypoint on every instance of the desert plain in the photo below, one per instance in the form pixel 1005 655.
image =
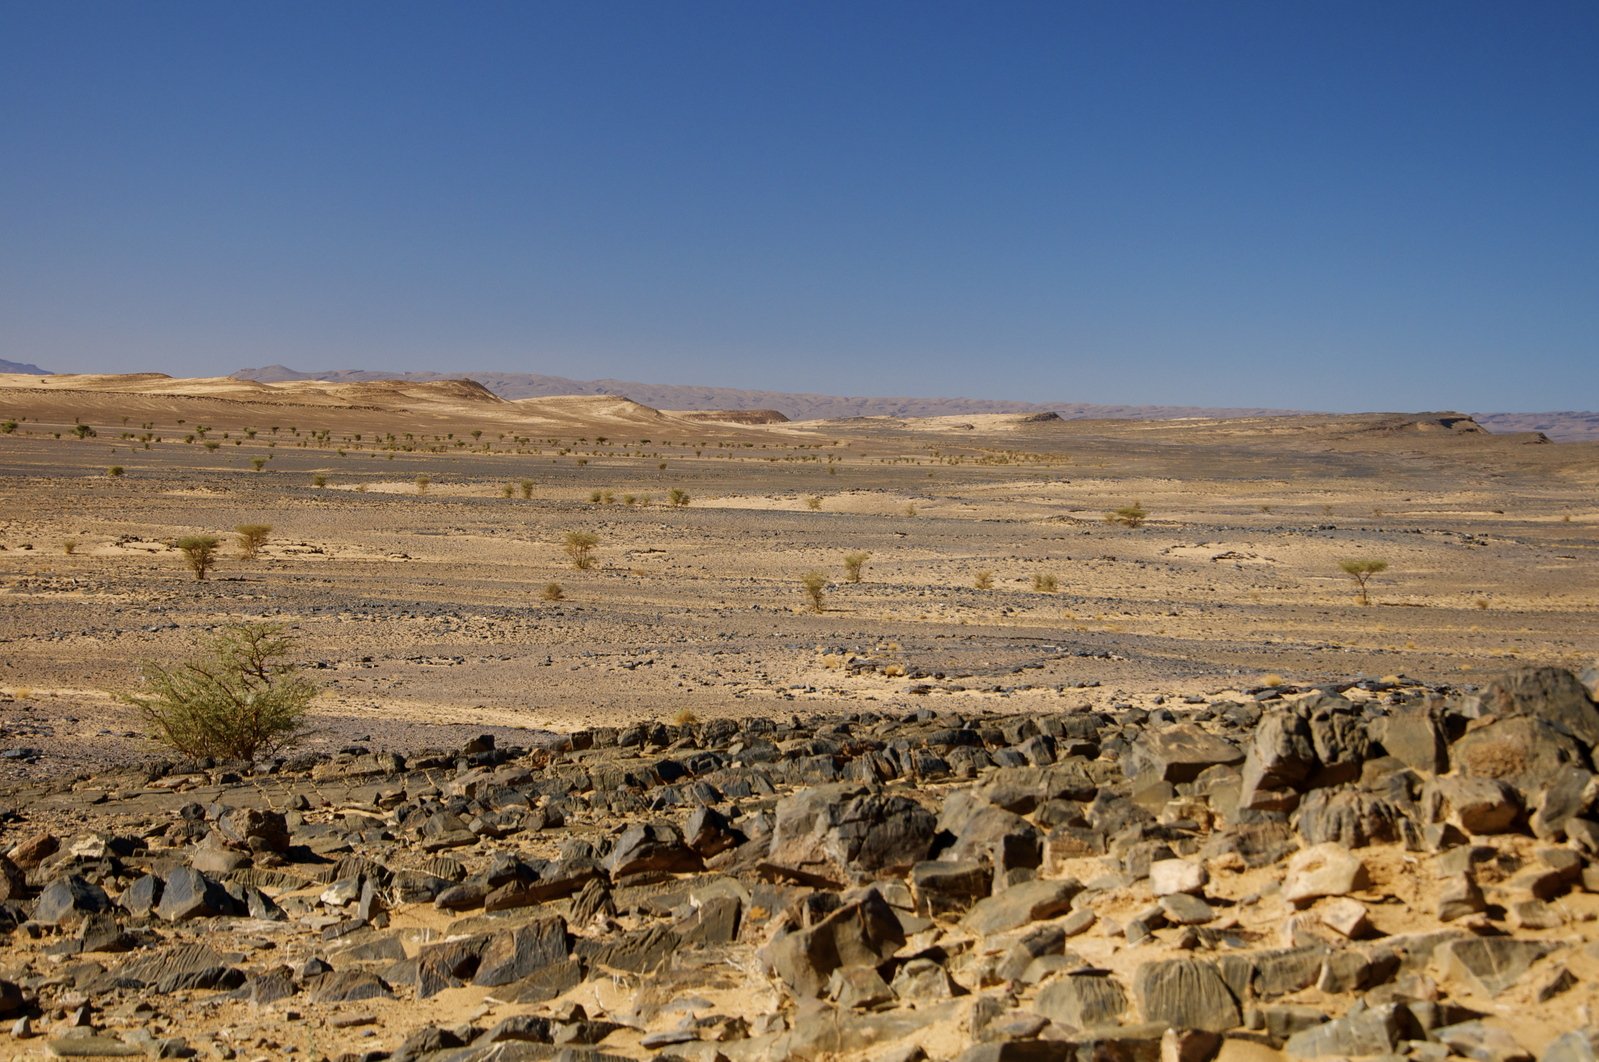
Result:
pixel 417 554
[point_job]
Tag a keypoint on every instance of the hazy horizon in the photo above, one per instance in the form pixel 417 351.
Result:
pixel 1232 206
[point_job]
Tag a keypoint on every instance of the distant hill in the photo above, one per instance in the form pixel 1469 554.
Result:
pixel 1564 427
pixel 22 368
pixel 1573 426
pixel 793 405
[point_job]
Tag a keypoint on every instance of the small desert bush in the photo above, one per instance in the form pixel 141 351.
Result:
pixel 527 489
pixel 813 503
pixel 1045 583
pixel 83 431
pixel 508 491
pixel 319 480
pixel 579 547
pixel 677 496
pixel 552 592
pixel 69 546
pixel 853 563
pixel 7 427
pixel 200 551
pixel 116 470
pixel 1361 569
pixel 815 584
pixel 1132 515
pixel 241 698
pixel 258 463
pixel 984 580
pixel 685 717
pixel 422 484
pixel 251 538
pixel 213 445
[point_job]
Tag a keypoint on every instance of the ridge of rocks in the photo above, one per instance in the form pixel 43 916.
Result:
pixel 1379 868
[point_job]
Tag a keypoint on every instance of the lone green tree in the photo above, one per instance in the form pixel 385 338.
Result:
pixel 815 584
pixel 251 538
pixel 242 698
pixel 1361 569
pixel 1132 515
pixel 853 563
pixel 579 547
pixel 200 551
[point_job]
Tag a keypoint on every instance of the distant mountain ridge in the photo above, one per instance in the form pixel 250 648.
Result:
pixel 23 368
pixel 1565 427
pixel 794 405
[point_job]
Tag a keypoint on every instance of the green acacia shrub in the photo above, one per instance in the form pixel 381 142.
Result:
pixel 251 538
pixel 1132 515
pixel 241 698
pixel 1361 569
pixel 579 548
pixel 853 563
pixel 200 551
pixel 815 584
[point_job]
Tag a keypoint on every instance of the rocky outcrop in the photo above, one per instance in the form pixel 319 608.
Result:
pixel 1379 868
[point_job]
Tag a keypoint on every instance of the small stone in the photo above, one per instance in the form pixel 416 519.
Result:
pixel 1327 869
pixel 1185 910
pixel 1168 877
pixel 1460 896
pixel 1344 916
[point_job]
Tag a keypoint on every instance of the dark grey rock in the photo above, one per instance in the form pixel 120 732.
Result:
pixel 1489 965
pixel 943 887
pixel 1029 901
pixel 11 999
pixel 1178 753
pixel 1552 694
pixel 831 835
pixel 1083 999
pixel 1186 994
pixel 186 893
pixel 350 986
pixel 67 901
pixel 651 848
pixel 513 955
pixel 1521 750
pixel 1412 735
pixel 863 933
pixel 1377 1031
pixel 641 951
pixel 1355 819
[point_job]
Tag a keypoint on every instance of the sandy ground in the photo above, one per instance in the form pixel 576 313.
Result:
pixel 421 606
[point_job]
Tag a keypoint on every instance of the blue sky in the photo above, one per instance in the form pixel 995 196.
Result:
pixel 1332 206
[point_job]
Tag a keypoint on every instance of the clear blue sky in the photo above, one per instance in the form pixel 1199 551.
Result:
pixel 1336 205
